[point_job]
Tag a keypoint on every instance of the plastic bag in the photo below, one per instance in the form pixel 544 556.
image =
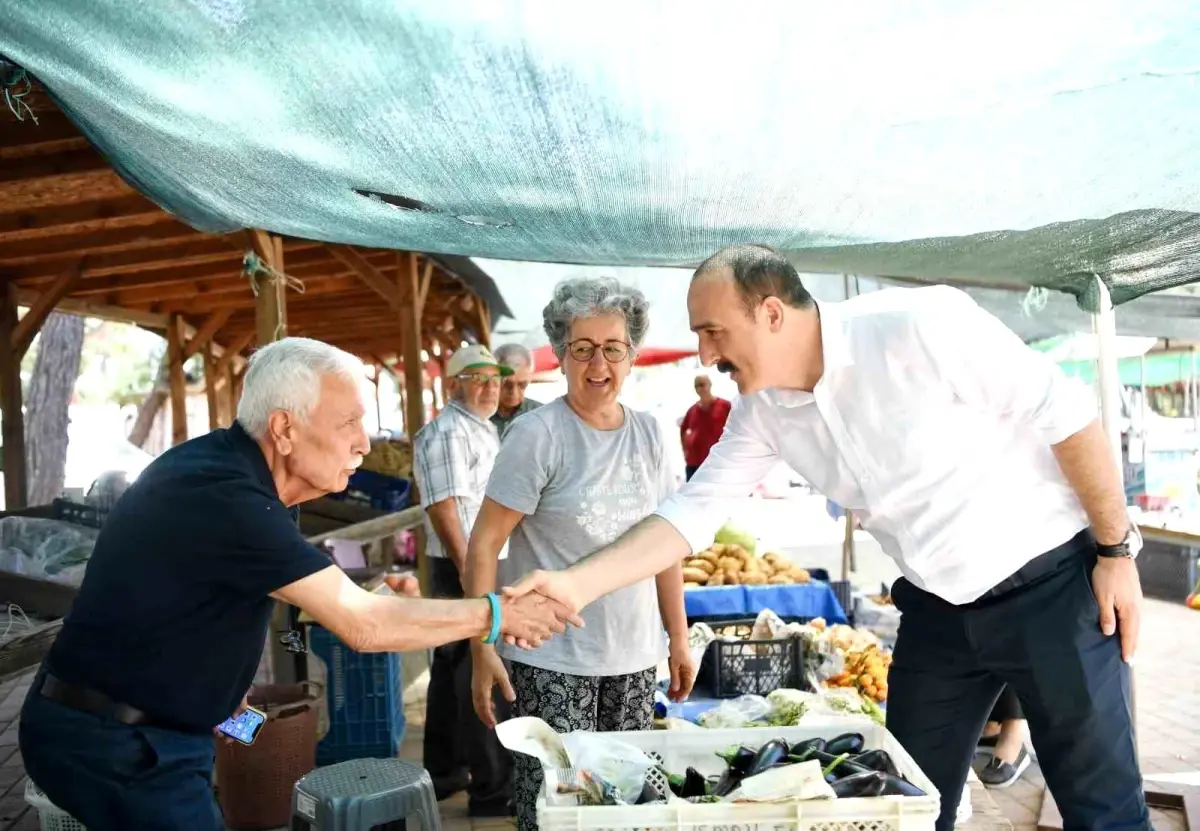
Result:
pixel 618 764
pixel 45 548
pixel 736 712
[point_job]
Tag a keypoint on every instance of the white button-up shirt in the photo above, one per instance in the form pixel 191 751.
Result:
pixel 933 422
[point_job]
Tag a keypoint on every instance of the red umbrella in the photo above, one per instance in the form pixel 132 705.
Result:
pixel 544 358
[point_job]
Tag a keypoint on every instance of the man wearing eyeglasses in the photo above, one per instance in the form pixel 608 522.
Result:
pixel 513 401
pixel 452 459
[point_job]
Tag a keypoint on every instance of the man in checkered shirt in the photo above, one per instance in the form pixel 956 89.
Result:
pixel 453 457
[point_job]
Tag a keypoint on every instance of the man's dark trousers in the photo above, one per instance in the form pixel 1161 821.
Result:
pixel 455 739
pixel 112 776
pixel 1043 639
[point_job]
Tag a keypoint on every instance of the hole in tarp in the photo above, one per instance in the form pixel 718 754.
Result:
pixel 487 221
pixel 404 203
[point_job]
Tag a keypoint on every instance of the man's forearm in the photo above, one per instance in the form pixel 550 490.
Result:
pixel 670 602
pixel 1087 463
pixel 645 550
pixel 395 624
pixel 443 516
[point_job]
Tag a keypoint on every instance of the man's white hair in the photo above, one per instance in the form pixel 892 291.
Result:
pixel 286 375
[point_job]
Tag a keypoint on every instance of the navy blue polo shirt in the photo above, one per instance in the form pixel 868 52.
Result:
pixel 174 608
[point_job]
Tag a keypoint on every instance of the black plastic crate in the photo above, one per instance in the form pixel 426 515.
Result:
pixel 745 667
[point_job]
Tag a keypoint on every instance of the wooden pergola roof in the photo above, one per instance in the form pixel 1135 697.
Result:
pixel 76 237
pixel 73 232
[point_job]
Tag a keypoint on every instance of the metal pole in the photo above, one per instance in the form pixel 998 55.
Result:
pixel 1105 323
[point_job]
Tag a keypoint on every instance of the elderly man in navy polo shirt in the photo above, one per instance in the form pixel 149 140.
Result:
pixel 168 629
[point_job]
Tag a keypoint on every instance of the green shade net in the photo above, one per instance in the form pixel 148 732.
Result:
pixel 997 144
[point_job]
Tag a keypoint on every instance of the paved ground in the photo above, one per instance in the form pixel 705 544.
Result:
pixel 1168 708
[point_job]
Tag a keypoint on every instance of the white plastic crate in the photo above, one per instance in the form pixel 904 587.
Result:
pixel 51 816
pixel 681 749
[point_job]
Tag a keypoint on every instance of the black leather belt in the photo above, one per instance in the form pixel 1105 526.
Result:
pixel 90 701
pixel 1044 565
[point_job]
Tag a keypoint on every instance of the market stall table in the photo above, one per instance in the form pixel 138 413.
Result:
pixel 807 600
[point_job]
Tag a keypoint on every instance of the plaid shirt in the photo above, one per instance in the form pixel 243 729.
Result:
pixel 452 459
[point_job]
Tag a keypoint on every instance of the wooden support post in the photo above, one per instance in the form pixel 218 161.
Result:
pixel 484 326
pixel 176 381
pixel 270 307
pixel 228 396
pixel 13 424
pixel 211 380
pixel 410 309
pixel 410 334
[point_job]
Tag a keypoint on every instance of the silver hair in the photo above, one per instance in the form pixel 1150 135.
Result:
pixel 582 297
pixel 286 375
pixel 514 355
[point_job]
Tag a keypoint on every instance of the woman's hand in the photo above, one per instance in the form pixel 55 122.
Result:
pixel 487 670
pixel 683 671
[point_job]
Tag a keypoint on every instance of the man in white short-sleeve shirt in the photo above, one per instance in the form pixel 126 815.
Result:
pixel 982 471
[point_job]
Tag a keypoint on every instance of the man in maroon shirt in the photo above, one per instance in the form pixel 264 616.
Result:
pixel 702 425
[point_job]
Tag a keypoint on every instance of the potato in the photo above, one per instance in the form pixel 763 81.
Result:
pixel 730 564
pixel 707 566
pixel 733 578
pixel 753 578
pixel 717 579
pixel 781 580
pixel 687 586
pixel 695 575
pixel 800 575
pixel 709 555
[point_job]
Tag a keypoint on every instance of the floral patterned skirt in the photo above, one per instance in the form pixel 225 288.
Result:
pixel 574 702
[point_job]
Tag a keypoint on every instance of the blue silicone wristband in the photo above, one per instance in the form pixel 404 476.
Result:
pixel 493 634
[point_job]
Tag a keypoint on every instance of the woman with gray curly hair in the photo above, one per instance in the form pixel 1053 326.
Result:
pixel 572 476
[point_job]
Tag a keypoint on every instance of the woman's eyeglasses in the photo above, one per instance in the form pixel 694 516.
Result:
pixel 614 351
pixel 511 384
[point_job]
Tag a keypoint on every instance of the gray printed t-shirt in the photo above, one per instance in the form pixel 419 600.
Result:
pixel 580 488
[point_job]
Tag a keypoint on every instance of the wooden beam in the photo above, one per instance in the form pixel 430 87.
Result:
pixel 423 293
pixel 204 334
pixel 234 350
pixel 229 394
pixel 178 387
pixel 376 528
pixel 270 307
pixel 484 325
pixel 120 314
pixel 52 191
pixel 410 335
pixel 211 381
pixel 31 324
pixel 82 217
pixel 12 416
pixel 366 272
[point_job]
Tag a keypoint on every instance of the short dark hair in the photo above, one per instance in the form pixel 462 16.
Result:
pixel 759 271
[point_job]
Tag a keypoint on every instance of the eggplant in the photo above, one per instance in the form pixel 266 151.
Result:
pixel 799 748
pixel 739 758
pixel 840 766
pixel 845 743
pixel 899 786
pixel 877 760
pixel 694 784
pixel 874 783
pixel 768 756
pixel 871 783
pixel 675 783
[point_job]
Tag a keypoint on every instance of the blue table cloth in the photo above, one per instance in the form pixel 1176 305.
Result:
pixel 807 600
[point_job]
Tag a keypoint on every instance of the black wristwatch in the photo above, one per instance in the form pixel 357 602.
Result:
pixel 1121 549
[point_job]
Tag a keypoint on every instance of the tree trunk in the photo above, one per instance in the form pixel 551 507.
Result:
pixel 151 404
pixel 47 406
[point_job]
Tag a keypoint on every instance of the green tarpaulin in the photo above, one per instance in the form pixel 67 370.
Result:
pixel 996 144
